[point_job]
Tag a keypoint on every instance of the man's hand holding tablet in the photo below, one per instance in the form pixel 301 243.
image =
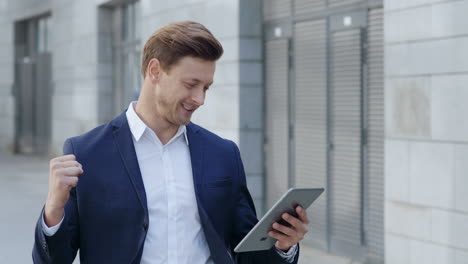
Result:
pixel 284 225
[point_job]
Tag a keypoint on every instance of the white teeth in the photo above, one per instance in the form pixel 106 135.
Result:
pixel 187 108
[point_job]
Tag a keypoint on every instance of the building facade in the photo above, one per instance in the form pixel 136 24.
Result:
pixel 426 132
pixel 362 97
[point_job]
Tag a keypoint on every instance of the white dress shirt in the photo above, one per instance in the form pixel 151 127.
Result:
pixel 175 234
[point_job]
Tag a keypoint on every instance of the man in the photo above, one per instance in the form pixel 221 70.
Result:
pixel 151 187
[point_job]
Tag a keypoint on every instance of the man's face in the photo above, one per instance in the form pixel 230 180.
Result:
pixel 181 90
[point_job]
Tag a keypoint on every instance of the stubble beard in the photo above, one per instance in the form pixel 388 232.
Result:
pixel 173 116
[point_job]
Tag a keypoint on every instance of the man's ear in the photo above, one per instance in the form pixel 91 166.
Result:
pixel 154 70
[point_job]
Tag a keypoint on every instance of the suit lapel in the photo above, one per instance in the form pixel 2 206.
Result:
pixel 215 243
pixel 124 142
pixel 196 156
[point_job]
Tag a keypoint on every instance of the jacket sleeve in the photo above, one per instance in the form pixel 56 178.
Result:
pixel 245 219
pixel 64 244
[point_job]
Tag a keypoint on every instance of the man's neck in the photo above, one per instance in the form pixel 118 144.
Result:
pixel 150 116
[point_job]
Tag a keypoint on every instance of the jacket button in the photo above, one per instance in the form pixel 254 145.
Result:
pixel 145 227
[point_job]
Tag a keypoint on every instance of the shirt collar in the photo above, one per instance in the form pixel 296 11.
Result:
pixel 138 127
pixel 182 130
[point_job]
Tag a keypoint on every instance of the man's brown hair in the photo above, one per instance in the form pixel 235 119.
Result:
pixel 176 40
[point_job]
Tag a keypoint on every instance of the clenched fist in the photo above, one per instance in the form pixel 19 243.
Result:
pixel 64 172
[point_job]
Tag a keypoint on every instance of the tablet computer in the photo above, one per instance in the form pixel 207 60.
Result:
pixel 258 238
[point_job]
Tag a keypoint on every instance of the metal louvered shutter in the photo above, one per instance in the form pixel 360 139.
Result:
pixel 273 9
pixel 42 113
pixel 336 104
pixel 345 85
pixel 375 116
pixel 277 121
pixel 311 120
pixel 25 96
pixel 308 6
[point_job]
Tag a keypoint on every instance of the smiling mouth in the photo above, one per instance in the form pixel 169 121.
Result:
pixel 189 109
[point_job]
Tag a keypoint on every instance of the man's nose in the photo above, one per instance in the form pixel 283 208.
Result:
pixel 199 97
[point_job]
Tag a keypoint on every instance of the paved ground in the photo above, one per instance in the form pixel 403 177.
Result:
pixel 23 190
pixel 314 256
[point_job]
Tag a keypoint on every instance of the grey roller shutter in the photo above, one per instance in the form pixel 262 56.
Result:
pixel 375 116
pixel 43 94
pixel 273 9
pixel 311 120
pixel 308 6
pixel 25 95
pixel 345 167
pixel 277 121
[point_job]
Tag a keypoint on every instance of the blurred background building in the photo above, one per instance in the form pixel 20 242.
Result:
pixel 366 98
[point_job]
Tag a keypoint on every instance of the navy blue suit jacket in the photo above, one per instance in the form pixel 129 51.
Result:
pixel 106 217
